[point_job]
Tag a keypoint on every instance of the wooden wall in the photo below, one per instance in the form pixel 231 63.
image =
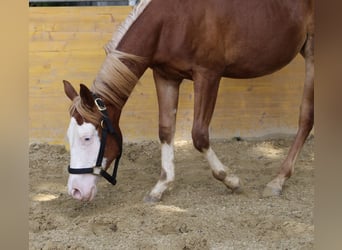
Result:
pixel 67 43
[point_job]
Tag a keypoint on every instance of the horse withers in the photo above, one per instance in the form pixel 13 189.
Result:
pixel 202 42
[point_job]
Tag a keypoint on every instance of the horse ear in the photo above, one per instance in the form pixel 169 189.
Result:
pixel 69 90
pixel 86 96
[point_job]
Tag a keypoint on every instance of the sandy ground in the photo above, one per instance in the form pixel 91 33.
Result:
pixel 197 213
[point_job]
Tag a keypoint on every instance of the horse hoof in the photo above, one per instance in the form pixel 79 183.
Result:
pixel 271 190
pixel 233 183
pixel 151 199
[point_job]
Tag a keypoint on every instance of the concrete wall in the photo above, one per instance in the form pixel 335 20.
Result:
pixel 67 43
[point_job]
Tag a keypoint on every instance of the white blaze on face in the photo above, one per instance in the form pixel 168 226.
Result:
pixel 84 147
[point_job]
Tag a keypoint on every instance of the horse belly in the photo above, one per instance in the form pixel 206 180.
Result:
pixel 252 67
pixel 260 57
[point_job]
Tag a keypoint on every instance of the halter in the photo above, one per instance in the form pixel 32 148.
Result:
pixel 107 127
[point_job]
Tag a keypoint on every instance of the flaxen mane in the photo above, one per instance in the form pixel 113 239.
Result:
pixel 115 81
pixel 84 111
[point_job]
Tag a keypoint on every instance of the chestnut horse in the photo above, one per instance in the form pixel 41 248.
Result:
pixel 183 39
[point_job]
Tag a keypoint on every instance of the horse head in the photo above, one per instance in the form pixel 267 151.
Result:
pixel 95 141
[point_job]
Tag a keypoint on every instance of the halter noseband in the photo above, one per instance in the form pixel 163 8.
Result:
pixel 107 127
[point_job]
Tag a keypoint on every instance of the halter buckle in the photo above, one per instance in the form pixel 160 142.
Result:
pixel 99 104
pixel 97 170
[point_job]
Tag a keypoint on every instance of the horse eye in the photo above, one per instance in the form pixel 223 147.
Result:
pixel 87 139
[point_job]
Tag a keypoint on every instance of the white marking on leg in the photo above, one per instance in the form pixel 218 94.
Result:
pixel 220 171
pixel 215 164
pixel 168 173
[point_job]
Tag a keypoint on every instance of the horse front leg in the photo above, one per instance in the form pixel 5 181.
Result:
pixel 306 121
pixel 205 94
pixel 167 92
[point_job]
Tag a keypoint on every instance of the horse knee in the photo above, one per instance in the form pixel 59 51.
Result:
pixel 200 139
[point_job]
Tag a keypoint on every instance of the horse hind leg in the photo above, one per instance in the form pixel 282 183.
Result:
pixel 205 89
pixel 167 92
pixel 306 120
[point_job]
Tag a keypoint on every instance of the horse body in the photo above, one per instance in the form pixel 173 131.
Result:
pixel 204 41
pixel 239 39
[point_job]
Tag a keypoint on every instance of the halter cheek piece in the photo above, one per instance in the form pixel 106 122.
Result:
pixel 107 127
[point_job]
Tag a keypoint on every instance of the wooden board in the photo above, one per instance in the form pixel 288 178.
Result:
pixel 67 43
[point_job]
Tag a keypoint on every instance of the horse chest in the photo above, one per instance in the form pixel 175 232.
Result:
pixel 173 71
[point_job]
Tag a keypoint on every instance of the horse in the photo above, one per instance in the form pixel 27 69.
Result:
pixel 201 41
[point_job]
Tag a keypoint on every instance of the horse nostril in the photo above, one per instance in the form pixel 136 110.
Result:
pixel 76 194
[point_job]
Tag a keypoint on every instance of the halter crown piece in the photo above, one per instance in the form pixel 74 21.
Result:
pixel 107 127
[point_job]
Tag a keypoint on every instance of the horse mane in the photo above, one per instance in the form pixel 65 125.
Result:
pixel 85 112
pixel 125 25
pixel 115 81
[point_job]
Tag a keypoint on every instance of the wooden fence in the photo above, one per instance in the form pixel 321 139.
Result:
pixel 67 43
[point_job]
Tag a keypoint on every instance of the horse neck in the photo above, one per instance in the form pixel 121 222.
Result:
pixel 129 54
pixel 117 77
